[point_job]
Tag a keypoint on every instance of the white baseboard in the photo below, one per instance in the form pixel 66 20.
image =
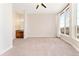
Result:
pixel 41 36
pixel 4 50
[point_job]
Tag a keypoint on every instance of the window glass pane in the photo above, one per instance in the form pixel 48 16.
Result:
pixel 62 23
pixel 67 22
pixel 77 20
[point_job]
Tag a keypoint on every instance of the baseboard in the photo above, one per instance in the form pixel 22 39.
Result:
pixel 69 42
pixel 5 50
pixel 41 37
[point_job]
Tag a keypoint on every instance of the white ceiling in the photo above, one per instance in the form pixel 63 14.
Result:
pixel 31 7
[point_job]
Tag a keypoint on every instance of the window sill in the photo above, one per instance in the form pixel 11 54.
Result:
pixel 77 39
pixel 65 35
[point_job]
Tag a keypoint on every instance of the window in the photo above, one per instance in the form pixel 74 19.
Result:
pixel 77 21
pixel 62 23
pixel 65 22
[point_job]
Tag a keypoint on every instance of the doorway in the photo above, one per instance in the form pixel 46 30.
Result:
pixel 19 25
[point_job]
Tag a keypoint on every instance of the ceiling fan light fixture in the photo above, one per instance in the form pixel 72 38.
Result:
pixel 37 6
pixel 41 5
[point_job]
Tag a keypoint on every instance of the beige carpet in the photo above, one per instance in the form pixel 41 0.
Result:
pixel 41 47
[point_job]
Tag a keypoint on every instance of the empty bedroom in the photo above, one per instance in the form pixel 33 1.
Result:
pixel 39 29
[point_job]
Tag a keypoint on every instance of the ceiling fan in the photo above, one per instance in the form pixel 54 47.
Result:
pixel 41 5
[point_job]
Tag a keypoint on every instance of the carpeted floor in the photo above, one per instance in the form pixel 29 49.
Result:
pixel 41 47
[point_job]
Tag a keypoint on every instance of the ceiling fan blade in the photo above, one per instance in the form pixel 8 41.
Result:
pixel 37 6
pixel 43 5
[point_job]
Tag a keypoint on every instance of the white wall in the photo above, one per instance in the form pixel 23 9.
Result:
pixel 25 26
pixel 14 32
pixel 6 30
pixel 41 25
